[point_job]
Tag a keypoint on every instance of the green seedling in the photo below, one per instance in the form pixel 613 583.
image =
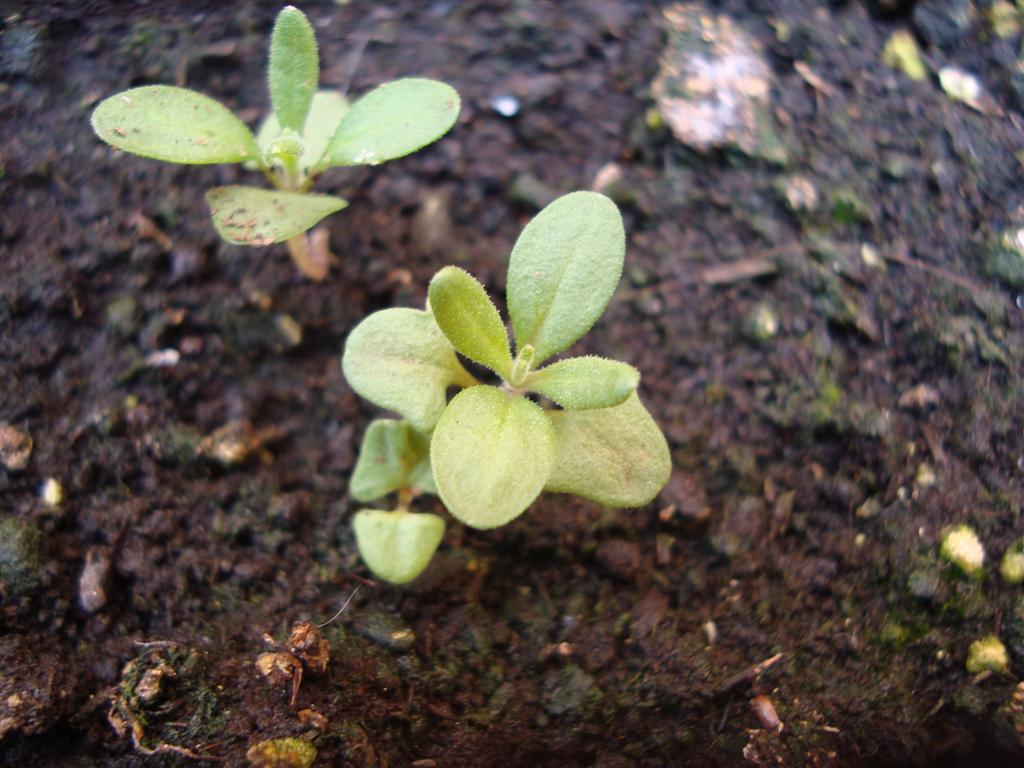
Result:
pixel 572 426
pixel 307 132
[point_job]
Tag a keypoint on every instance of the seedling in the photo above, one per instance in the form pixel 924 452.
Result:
pixel 307 132
pixel 574 426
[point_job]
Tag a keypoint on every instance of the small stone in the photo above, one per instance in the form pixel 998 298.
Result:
pixel 960 85
pixel 710 631
pixel 987 655
pixel 924 583
pixel 150 686
pixel 15 448
pixel 1004 258
pixel 281 753
pixel 1012 566
pixel 122 315
pixel 384 629
pixel 92 593
pixel 1004 18
pixel 870 508
pixel 901 52
pixel 761 323
pixel 942 22
pixel 289 330
pixel 800 193
pixel 925 476
pixel 962 548
pixel 920 397
pixel 570 689
pixel 506 105
pixel 530 191
pixel 871 257
pixel 52 493
pixel 432 224
pixel 713 86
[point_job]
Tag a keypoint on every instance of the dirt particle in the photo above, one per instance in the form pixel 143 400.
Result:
pixel 310 647
pixel 92 593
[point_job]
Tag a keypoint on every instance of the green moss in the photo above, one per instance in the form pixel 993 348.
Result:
pixel 20 558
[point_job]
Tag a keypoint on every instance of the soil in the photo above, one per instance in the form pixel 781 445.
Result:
pixel 789 571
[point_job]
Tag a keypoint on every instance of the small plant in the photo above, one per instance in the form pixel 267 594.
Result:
pixel 307 132
pixel 573 426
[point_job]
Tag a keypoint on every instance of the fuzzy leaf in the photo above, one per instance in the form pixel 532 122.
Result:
pixel 393 456
pixel 325 114
pixel 581 383
pixel 616 456
pixel 294 68
pixel 394 120
pixel 491 454
pixel 398 359
pixel 175 125
pixel 469 319
pixel 397 546
pixel 257 217
pixel 563 270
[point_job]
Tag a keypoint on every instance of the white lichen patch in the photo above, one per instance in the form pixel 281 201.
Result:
pixel 962 548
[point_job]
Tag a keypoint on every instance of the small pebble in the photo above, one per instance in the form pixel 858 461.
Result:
pixel 52 493
pixel 962 548
pixel 505 105
pixel 15 447
pixel 92 593
pixel 960 85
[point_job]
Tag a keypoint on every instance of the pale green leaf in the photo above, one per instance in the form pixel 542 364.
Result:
pixel 294 68
pixel 398 359
pixel 397 546
pixel 563 270
pixel 469 319
pixel 616 456
pixel 325 114
pixel 580 383
pixel 254 216
pixel 393 457
pixel 174 124
pixel 491 453
pixel 392 121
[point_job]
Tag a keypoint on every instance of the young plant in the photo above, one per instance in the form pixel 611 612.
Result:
pixel 307 132
pixel 573 426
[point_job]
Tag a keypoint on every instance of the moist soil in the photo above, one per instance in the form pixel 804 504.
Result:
pixel 839 384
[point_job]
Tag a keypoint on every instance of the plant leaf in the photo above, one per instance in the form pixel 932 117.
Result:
pixel 563 270
pixel 469 319
pixel 325 114
pixel 294 69
pixel 491 454
pixel 616 456
pixel 257 217
pixel 581 383
pixel 398 359
pixel 393 456
pixel 175 125
pixel 394 120
pixel 397 546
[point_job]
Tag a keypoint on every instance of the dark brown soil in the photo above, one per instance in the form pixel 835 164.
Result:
pixel 576 636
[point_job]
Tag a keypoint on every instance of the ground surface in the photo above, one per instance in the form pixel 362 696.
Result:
pixel 810 489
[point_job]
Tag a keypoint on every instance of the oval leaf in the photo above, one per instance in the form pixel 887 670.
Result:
pixel 174 124
pixel 615 456
pixel 394 120
pixel 321 123
pixel 393 456
pixel 294 69
pixel 398 359
pixel 491 454
pixel 580 383
pixel 469 319
pixel 397 546
pixel 563 270
pixel 257 217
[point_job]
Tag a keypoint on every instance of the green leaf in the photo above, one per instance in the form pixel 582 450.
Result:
pixel 616 456
pixel 398 359
pixel 394 456
pixel 325 114
pixel 491 453
pixel 294 69
pixel 174 124
pixel 469 319
pixel 257 217
pixel 563 270
pixel 394 120
pixel 580 383
pixel 397 546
